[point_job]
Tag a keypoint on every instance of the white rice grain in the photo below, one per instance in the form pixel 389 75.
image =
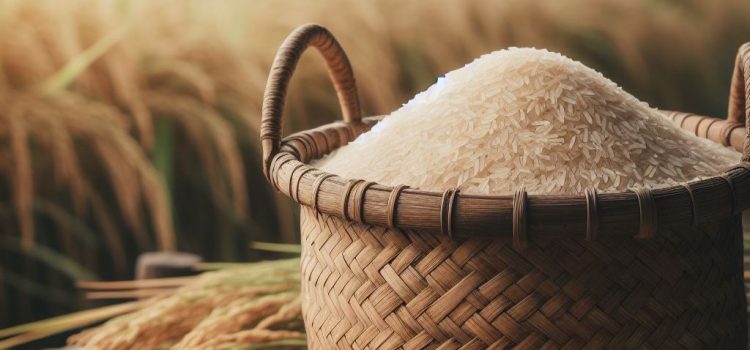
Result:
pixel 532 118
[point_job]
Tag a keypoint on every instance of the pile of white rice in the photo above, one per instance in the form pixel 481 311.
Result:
pixel 527 117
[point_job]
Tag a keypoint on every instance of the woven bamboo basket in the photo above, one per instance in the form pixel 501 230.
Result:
pixel 393 267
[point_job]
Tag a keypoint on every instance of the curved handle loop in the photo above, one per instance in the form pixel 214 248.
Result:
pixel 739 95
pixel 339 69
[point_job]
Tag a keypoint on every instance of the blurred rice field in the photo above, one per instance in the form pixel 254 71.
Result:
pixel 131 126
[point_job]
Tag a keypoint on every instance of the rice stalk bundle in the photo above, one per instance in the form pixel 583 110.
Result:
pixel 254 304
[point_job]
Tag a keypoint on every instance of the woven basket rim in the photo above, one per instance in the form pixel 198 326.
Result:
pixel 617 213
pixel 640 213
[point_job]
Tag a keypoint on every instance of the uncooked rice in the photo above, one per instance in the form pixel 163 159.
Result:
pixel 532 118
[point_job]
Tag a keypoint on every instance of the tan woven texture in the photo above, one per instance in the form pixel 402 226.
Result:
pixel 739 95
pixel 370 287
pixel 397 268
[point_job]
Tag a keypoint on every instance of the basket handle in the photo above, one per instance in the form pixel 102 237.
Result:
pixel 339 69
pixel 739 95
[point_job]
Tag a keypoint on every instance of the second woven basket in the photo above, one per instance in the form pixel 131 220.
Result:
pixel 392 267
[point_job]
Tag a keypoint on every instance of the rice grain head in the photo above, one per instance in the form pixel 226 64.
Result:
pixel 233 307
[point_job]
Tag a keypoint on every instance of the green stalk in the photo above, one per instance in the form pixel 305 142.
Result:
pixel 277 247
pixel 163 160
pixel 78 64
pixel 49 257
pixel 283 344
pixel 66 322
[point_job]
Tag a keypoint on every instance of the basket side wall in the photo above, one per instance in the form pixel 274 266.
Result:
pixel 374 287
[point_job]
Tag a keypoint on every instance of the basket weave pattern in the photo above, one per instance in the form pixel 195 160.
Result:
pixel 379 288
pixel 392 267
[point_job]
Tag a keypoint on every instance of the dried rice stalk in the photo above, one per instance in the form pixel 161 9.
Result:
pixel 254 304
pixel 54 125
